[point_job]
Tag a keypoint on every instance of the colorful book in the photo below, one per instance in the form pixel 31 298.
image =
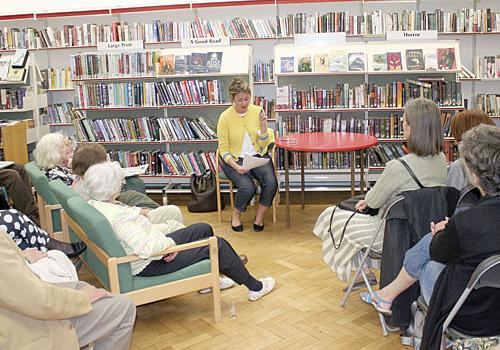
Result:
pixel 356 61
pixel 379 62
pixel 321 63
pixel 214 61
pixel 198 62
pixel 166 64
pixel 394 61
pixel 305 64
pixel 446 58
pixel 415 59
pixel 338 61
pixel 430 61
pixel 181 64
pixel 16 74
pixel 287 64
pixel 489 67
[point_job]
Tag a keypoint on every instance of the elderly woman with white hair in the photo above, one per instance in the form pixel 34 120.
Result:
pixel 53 154
pixel 137 235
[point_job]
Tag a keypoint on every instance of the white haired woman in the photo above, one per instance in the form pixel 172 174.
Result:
pixel 53 154
pixel 102 183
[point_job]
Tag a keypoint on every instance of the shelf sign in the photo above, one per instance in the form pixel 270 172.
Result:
pixel 320 39
pixel 121 45
pixel 194 42
pixel 412 35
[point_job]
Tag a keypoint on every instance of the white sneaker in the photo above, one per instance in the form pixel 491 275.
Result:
pixel 224 283
pixel 268 284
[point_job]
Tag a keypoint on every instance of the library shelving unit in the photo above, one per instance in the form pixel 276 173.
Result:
pixel 26 126
pixel 352 87
pixel 149 112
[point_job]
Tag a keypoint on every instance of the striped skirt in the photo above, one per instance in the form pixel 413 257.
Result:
pixel 358 235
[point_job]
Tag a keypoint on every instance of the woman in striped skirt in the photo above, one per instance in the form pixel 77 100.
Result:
pixel 423 132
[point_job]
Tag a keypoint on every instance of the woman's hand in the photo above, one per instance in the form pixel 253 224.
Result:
pixel 33 255
pixel 94 293
pixel 241 170
pixel 263 121
pixel 144 212
pixel 169 257
pixel 361 205
pixel 439 226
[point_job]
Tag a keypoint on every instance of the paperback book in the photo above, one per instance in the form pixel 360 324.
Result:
pixel 394 61
pixel 446 58
pixel 166 64
pixel 321 63
pixel 415 59
pixel 430 60
pixel 338 61
pixel 356 61
pixel 181 64
pixel 20 58
pixel 214 62
pixel 16 74
pixel 198 62
pixel 489 70
pixel 4 68
pixel 379 62
pixel 305 63
pixel 287 64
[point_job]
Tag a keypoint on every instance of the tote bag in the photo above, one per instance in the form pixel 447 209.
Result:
pixel 203 193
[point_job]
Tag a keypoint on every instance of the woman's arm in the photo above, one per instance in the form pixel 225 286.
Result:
pixel 387 185
pixel 445 247
pixel 223 137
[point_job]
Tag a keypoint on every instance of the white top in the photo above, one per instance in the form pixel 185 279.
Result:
pixel 247 146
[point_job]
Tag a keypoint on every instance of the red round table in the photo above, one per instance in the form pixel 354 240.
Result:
pixel 323 142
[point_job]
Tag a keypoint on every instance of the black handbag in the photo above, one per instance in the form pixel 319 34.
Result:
pixel 203 193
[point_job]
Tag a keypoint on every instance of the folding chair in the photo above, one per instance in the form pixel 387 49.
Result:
pixel 394 206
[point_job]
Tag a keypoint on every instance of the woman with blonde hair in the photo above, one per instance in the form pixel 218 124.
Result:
pixel 242 129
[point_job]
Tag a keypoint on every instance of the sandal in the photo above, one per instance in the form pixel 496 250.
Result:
pixel 381 305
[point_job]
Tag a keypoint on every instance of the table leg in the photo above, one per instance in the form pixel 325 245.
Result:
pixel 302 179
pixel 362 168
pixel 353 166
pixel 287 190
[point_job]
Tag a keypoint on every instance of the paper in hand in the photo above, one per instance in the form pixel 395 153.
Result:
pixel 250 162
pixel 134 171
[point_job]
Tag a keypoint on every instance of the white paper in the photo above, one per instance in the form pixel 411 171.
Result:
pixel 250 162
pixel 5 163
pixel 135 170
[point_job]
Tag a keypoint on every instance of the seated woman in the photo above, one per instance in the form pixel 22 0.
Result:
pixel 460 123
pixel 423 132
pixel 458 245
pixel 52 266
pixel 87 155
pixel 242 128
pixel 138 235
pixel 26 234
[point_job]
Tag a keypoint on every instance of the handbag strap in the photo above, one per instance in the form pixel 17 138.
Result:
pixel 337 245
pixel 411 173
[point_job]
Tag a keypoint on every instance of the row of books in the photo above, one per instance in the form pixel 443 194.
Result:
pixel 440 59
pixel 148 94
pixel 263 71
pixel 390 126
pixel 112 65
pixel 380 154
pixel 368 95
pixel 166 163
pixel 60 113
pixel 12 98
pixel 490 103
pixel 194 63
pixel 139 129
pixel 266 104
pixel 487 67
pixel 377 22
pixel 317 161
pixel 57 78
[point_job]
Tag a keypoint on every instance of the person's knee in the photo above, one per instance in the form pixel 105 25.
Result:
pixel 204 228
pixel 247 187
pixel 11 177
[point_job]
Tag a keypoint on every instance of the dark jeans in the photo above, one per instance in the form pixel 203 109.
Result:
pixel 230 263
pixel 18 185
pixel 246 186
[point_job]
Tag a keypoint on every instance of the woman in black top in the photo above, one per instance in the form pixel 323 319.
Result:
pixel 444 260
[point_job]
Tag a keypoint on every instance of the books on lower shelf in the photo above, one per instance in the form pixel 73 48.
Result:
pixel 263 72
pixel 266 104
pixel 490 103
pixel 13 98
pixel 380 154
pixel 143 129
pixel 318 161
pixel 166 163
pixel 487 67
pixel 56 78
pixel 61 113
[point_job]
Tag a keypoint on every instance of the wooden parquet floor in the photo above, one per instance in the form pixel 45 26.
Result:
pixel 303 312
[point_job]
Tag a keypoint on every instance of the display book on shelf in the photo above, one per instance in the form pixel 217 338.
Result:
pixel 21 99
pixel 157 107
pixel 361 87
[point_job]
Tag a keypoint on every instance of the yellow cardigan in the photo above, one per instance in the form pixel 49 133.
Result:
pixel 231 128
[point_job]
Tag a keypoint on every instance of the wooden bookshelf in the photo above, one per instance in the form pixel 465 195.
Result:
pixel 13 141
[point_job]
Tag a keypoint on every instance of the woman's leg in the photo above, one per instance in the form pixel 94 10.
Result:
pixel 246 190
pixel 165 213
pixel 269 185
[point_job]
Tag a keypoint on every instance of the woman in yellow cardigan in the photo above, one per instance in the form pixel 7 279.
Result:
pixel 242 128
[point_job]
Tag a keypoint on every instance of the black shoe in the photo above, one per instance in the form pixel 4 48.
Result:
pixel 238 228
pixel 257 227
pixel 70 249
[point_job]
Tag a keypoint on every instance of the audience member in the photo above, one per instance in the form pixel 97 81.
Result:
pixel 457 245
pixel 138 235
pixel 342 244
pixel 40 315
